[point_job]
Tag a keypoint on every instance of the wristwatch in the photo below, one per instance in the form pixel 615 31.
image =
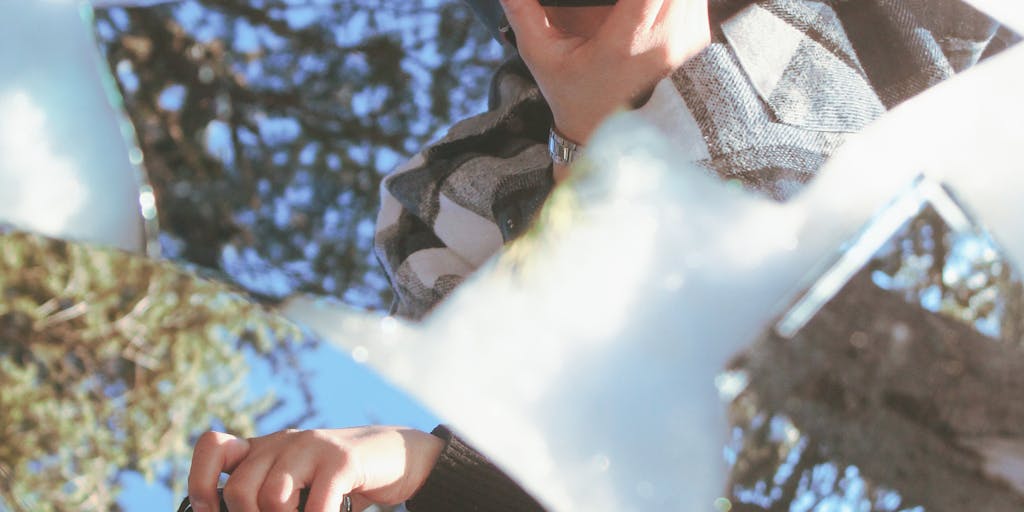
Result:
pixel 563 150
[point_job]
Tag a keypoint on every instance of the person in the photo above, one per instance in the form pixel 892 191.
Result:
pixel 757 92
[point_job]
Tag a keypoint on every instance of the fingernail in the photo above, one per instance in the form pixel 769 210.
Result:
pixel 198 506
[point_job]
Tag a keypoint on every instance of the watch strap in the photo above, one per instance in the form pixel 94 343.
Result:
pixel 562 150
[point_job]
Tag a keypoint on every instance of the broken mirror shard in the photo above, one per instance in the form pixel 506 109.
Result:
pixel 69 163
pixel 895 382
pixel 112 364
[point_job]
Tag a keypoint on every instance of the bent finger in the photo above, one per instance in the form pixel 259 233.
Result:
pixel 684 30
pixel 283 484
pixel 359 503
pixel 243 486
pixel 630 18
pixel 330 485
pixel 215 453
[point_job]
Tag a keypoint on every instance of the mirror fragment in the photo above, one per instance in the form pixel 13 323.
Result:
pixel 901 390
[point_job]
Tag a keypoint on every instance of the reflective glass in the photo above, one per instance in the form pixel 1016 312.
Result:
pixel 268 124
pixel 112 364
pixel 893 384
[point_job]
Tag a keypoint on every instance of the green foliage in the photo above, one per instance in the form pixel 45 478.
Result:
pixel 267 125
pixel 112 363
pixel 960 274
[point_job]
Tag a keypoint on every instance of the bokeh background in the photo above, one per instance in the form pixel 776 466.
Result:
pixel 268 124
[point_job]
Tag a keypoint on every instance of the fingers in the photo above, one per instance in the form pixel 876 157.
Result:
pixel 687 17
pixel 670 10
pixel 659 35
pixel 215 453
pixel 268 473
pixel 529 22
pixel 331 483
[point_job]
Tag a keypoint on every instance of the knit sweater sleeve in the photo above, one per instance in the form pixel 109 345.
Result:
pixel 464 480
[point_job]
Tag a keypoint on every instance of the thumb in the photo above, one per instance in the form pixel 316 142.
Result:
pixel 529 21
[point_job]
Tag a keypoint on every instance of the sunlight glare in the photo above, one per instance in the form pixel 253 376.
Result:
pixel 40 188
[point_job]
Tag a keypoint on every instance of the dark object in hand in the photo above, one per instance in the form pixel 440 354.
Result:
pixel 186 505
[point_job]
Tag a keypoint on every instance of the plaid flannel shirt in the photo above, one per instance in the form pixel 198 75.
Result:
pixel 777 91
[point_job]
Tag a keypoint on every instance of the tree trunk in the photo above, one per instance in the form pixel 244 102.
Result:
pixel 901 393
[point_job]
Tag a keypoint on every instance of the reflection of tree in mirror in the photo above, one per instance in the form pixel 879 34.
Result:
pixel 958 273
pixel 266 125
pixel 880 404
pixel 111 363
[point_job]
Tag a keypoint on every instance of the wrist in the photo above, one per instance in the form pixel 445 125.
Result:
pixel 427 447
pixel 575 133
pixel 560 172
pixel 579 124
pixel 563 152
pixel 562 149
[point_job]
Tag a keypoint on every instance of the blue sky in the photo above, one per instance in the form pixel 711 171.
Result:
pixel 345 393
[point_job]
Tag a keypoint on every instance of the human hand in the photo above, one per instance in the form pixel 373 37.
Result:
pixel 591 61
pixel 384 465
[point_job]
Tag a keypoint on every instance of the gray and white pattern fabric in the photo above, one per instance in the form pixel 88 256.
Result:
pixel 774 95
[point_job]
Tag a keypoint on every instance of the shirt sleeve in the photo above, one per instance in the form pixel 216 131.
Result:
pixel 452 207
pixel 465 480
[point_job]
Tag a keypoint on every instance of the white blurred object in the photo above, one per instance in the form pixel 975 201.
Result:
pixel 1001 458
pixel 69 166
pixel 587 370
pixel 1009 12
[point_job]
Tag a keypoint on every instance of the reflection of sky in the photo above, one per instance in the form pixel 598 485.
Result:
pixel 825 487
pixel 208 25
pixel 345 393
pixel 828 489
pixel 971 263
pixel 257 56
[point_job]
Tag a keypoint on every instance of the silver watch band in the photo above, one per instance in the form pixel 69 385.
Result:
pixel 563 150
